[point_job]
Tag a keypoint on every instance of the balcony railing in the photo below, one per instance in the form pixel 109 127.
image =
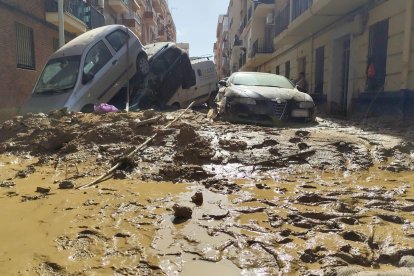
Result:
pixel 81 10
pixel 261 46
pixel 243 24
pixel 282 20
pixel 299 7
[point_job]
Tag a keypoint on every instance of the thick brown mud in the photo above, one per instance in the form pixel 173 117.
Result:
pixel 326 199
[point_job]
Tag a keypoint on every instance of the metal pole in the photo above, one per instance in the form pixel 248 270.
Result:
pixel 127 64
pixel 61 23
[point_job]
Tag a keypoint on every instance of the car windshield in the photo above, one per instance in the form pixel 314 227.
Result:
pixel 59 74
pixel 257 79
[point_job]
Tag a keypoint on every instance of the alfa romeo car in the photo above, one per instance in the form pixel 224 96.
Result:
pixel 262 98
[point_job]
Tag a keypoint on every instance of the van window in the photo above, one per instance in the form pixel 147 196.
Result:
pixel 96 58
pixel 117 39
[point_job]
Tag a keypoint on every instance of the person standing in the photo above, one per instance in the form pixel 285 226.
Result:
pixel 371 73
pixel 302 83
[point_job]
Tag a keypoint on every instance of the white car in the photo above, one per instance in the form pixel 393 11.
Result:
pixel 92 68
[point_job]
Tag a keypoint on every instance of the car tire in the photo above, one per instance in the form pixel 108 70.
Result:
pixel 142 65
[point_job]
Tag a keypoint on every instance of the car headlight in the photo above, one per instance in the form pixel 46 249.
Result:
pixel 306 105
pixel 244 100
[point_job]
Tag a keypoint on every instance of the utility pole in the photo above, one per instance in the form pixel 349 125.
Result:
pixel 61 23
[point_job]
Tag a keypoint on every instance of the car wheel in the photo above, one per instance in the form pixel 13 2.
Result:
pixel 142 65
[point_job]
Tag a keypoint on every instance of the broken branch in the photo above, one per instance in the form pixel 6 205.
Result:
pixel 140 147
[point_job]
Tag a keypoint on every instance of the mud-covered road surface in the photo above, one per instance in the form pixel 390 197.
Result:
pixel 205 198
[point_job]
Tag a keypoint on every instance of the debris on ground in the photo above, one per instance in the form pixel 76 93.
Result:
pixel 334 198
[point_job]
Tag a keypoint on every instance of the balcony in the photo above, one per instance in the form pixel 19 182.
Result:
pixel 156 4
pixel 261 51
pixel 133 22
pixel 263 8
pixel 308 19
pixel 149 17
pixel 78 16
pixel 119 6
pixel 282 20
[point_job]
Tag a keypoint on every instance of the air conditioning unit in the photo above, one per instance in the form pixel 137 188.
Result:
pixel 270 19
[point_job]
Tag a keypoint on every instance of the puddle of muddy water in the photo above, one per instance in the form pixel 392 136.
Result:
pixel 303 216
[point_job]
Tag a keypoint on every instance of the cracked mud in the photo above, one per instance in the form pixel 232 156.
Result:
pixel 205 197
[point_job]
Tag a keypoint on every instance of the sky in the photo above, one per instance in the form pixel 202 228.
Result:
pixel 196 23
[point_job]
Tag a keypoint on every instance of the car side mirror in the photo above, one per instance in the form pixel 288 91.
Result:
pixel 87 78
pixel 223 83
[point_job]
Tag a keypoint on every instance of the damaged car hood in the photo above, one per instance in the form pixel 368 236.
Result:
pixel 267 93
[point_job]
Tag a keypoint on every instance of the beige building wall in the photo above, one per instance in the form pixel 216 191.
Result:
pixel 234 15
pixel 399 30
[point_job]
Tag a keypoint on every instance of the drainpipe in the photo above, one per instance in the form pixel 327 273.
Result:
pixel 61 23
pixel 407 43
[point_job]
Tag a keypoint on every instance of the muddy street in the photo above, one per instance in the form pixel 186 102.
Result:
pixel 332 198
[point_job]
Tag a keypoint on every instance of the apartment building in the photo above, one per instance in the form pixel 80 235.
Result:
pixel 334 43
pixel 221 47
pixel 29 35
pixel 150 20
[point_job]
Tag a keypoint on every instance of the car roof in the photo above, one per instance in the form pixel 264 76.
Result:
pixel 78 45
pixel 154 48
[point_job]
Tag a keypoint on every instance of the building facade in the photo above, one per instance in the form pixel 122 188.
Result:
pixel 221 47
pixel 29 35
pixel 354 53
pixel 150 20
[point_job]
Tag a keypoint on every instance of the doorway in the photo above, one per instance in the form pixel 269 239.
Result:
pixel 338 99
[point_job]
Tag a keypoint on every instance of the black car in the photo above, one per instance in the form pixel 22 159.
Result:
pixel 170 69
pixel 262 98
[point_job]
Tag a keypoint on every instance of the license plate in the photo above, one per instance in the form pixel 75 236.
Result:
pixel 300 113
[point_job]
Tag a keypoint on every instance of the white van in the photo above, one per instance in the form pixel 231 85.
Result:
pixel 205 89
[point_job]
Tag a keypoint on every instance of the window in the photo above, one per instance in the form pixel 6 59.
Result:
pixel 117 39
pixel 96 58
pixel 278 70
pixel 287 69
pixel 319 69
pixel 199 72
pixel 25 53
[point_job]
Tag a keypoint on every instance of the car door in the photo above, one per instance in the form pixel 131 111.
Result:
pixel 98 64
pixel 117 41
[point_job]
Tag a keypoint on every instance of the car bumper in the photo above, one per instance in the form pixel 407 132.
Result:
pixel 267 112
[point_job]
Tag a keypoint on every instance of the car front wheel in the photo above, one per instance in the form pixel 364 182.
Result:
pixel 142 65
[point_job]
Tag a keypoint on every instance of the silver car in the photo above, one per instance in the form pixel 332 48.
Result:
pixel 92 68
